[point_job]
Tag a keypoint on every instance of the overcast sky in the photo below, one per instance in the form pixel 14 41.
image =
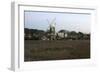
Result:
pixel 68 21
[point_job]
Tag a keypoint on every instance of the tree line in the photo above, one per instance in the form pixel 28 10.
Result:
pixel 35 34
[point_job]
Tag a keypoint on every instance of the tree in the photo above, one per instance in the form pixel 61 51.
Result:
pixel 80 35
pixel 73 33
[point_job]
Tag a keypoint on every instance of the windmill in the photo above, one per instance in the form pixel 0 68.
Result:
pixel 52 33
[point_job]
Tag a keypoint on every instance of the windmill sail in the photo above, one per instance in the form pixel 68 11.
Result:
pixel 52 29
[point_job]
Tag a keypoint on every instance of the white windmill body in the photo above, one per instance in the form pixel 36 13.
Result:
pixel 52 30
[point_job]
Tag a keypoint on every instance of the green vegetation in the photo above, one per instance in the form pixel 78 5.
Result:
pixel 35 34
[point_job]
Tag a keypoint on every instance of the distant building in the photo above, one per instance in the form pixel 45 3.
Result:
pixel 52 32
pixel 62 35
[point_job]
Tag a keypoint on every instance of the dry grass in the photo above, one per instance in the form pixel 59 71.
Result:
pixel 36 50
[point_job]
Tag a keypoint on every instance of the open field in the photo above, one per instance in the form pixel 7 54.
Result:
pixel 37 50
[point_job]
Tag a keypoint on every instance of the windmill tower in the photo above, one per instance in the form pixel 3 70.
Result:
pixel 52 32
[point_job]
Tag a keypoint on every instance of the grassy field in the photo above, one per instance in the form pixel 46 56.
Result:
pixel 37 50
